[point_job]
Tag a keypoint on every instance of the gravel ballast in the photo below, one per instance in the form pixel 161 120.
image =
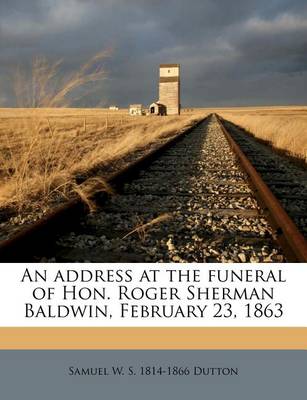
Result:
pixel 193 204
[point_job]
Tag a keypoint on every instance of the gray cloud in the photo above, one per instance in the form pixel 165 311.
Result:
pixel 232 52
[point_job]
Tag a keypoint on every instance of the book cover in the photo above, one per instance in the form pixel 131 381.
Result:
pixel 153 197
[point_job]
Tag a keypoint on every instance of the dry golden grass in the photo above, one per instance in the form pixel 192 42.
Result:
pixel 285 128
pixel 45 145
pixel 43 150
pixel 46 86
pixel 143 227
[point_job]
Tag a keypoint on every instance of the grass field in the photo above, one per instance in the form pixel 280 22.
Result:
pixel 285 128
pixel 43 150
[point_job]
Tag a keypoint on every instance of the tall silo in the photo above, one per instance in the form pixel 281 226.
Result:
pixel 169 88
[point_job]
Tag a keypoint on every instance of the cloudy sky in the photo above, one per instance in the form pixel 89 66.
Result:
pixel 232 52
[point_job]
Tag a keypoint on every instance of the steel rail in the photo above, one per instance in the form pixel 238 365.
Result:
pixel 286 232
pixel 21 247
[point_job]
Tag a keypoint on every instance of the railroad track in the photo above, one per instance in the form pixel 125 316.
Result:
pixel 189 201
pixel 286 180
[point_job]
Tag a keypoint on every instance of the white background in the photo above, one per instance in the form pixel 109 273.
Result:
pixel 14 294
